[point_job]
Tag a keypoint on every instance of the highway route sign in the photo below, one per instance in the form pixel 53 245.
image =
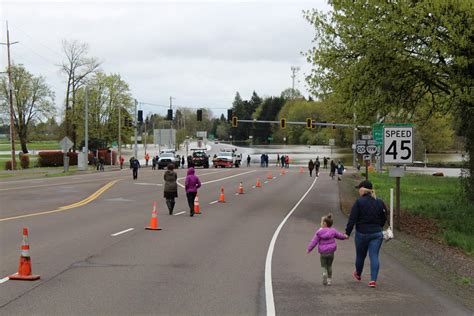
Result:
pixel 65 144
pixel 398 145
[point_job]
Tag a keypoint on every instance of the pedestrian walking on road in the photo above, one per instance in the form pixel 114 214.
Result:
pixel 317 164
pixel 325 162
pixel 340 170
pixel 147 157
pixel 101 164
pixel 182 162
pixel 134 165
pixel 325 238
pixel 282 158
pixel 278 160
pixel 153 163
pixel 310 167
pixel 369 215
pixel 171 187
pixel 248 160
pixel 287 161
pixel 191 185
pixel 332 171
pixel 121 160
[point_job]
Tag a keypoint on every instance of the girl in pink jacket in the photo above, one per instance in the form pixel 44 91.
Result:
pixel 324 238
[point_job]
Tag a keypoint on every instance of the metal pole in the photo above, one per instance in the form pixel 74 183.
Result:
pixel 171 123
pixel 354 153
pixel 397 203
pixel 120 132
pixel 86 127
pixel 10 98
pixel 145 134
pixel 366 170
pixel 135 149
pixel 391 208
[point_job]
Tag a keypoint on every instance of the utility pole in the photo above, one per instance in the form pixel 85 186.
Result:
pixel 86 127
pixel 10 99
pixel 354 152
pixel 120 131
pixel 135 149
pixel 294 70
pixel 171 123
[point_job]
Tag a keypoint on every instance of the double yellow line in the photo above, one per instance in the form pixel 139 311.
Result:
pixel 87 200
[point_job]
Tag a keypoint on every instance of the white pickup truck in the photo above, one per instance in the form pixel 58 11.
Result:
pixel 227 159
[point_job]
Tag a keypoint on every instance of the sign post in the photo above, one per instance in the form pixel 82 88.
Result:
pixel 65 145
pixel 397 150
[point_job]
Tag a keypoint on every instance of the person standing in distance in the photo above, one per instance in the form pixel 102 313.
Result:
pixel 171 187
pixel 332 171
pixel 134 165
pixel 191 185
pixel 369 215
pixel 317 164
pixel 310 167
pixel 248 160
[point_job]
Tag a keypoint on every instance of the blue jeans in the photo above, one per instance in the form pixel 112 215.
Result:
pixel 371 243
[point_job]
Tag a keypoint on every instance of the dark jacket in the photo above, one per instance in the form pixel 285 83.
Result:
pixel 368 215
pixel 311 165
pixel 192 182
pixel 134 164
pixel 170 178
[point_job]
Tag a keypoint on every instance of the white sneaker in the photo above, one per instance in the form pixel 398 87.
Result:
pixel 329 281
pixel 325 279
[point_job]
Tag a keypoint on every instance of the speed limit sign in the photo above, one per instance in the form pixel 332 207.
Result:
pixel 398 144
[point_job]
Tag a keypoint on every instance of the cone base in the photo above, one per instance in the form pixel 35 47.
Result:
pixel 18 277
pixel 221 201
pixel 153 228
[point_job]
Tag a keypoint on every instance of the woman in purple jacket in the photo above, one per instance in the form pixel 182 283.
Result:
pixel 324 238
pixel 191 185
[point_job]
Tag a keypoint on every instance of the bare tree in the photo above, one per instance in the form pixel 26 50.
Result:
pixel 77 67
pixel 33 101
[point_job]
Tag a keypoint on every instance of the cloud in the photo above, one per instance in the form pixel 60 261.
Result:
pixel 200 52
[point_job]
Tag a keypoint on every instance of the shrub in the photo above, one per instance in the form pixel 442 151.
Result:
pixel 55 158
pixel 25 161
pixel 8 165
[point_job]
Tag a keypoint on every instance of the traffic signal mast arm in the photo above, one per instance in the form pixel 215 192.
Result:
pixel 304 123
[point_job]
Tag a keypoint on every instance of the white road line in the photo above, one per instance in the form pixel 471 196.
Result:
pixel 179 213
pixel 236 193
pixel 253 187
pixel 270 303
pixel 122 232
pixel 213 202
pixel 266 182
pixel 4 280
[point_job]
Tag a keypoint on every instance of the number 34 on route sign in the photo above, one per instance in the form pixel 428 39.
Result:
pixel 398 145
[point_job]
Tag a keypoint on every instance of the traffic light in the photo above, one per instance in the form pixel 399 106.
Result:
pixel 234 121
pixel 309 123
pixel 229 115
pixel 169 117
pixel 283 123
pixel 140 116
pixel 199 115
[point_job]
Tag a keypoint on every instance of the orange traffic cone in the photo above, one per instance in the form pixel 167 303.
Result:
pixel 241 188
pixel 301 170
pixel 154 219
pixel 197 208
pixel 282 172
pixel 24 269
pixel 221 196
pixel 258 185
pixel 269 175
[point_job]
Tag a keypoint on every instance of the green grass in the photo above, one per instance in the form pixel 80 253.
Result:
pixel 437 198
pixel 34 145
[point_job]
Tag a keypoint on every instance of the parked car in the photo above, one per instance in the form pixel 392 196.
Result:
pixel 227 159
pixel 166 158
pixel 200 159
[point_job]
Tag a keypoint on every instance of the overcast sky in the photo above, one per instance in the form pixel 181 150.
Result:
pixel 199 52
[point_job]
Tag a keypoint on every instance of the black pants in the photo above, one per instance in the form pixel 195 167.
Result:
pixel 135 174
pixel 191 196
pixel 170 202
pixel 310 172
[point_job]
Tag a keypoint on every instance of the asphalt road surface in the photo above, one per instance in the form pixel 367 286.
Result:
pixel 243 257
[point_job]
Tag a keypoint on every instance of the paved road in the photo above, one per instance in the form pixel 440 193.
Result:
pixel 212 264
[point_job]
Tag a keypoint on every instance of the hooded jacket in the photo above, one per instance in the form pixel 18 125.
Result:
pixel 192 182
pixel 170 178
pixel 324 238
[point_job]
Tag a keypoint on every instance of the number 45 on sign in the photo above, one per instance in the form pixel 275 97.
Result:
pixel 398 145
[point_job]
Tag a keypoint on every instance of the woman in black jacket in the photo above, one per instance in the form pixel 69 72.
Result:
pixel 171 187
pixel 368 214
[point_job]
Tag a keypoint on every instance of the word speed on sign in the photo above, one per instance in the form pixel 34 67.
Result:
pixel 398 144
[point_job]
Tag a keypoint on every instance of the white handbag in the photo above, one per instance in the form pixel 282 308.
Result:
pixel 387 234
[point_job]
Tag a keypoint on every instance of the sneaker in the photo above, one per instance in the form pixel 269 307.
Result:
pixel 356 276
pixel 372 284
pixel 325 279
pixel 329 281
